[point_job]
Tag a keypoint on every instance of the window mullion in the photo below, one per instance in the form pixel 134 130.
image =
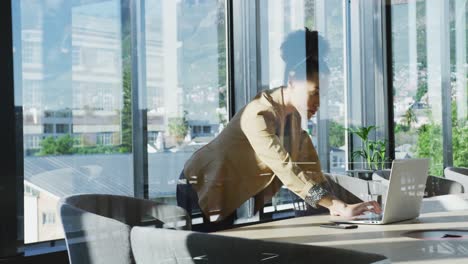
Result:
pixel 139 110
pixel 11 153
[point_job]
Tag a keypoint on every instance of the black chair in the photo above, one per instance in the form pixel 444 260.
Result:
pixel 436 186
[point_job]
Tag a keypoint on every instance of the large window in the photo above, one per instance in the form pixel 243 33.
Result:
pixel 77 97
pixel 72 87
pixel 185 83
pixel 430 81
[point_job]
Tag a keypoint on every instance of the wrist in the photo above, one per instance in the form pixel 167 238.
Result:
pixel 333 204
pixel 316 196
pixel 338 206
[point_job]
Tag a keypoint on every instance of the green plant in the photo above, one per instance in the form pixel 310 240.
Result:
pixel 178 128
pixel 336 134
pixel 410 117
pixel 57 146
pixel 459 138
pixel 48 147
pixel 373 151
pixel 430 145
pixel 126 118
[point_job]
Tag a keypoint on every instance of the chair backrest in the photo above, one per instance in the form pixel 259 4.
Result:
pixel 381 174
pixel 459 170
pixel 440 186
pixel 457 174
pixel 347 188
pixel 434 185
pixel 97 226
pixel 170 246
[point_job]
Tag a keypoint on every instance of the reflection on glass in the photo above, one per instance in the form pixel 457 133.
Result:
pixel 186 85
pixel 283 17
pixel 76 108
pixel 418 79
pixel 263 147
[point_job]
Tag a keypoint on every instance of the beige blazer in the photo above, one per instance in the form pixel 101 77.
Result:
pixel 260 149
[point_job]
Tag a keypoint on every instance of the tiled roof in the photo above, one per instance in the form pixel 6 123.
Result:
pixel 108 174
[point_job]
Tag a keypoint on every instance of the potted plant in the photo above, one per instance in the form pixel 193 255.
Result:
pixel 372 152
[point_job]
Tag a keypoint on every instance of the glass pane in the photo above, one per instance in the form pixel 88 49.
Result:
pixel 419 60
pixel 326 17
pixel 186 85
pixel 76 106
pixel 332 101
pixel 459 83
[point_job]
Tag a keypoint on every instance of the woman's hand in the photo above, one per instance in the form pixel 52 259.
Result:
pixel 340 208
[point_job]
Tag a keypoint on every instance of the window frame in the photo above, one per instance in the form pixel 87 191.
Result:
pixel 11 183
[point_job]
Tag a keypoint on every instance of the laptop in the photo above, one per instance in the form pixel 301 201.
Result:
pixel 404 194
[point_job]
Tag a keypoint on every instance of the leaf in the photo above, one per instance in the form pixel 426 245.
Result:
pixel 362 132
pixel 359 153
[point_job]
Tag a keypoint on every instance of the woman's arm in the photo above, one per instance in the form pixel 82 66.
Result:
pixel 334 205
pixel 259 128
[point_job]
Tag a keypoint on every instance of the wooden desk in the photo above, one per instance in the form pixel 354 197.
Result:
pixel 442 212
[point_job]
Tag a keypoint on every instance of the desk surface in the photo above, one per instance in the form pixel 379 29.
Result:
pixel 442 212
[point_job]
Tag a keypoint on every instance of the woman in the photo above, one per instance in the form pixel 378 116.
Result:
pixel 263 147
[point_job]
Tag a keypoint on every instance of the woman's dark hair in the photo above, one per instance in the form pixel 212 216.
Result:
pixel 300 51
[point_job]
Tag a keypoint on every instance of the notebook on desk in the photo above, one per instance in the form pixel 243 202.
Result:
pixel 404 194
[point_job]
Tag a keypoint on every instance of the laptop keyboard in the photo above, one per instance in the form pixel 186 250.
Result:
pixel 369 216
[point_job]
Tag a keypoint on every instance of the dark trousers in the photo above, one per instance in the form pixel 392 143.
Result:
pixel 187 198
